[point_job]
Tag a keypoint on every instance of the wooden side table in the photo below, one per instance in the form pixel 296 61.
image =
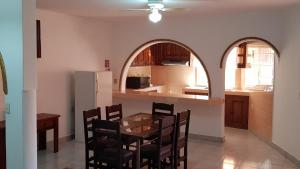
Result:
pixel 47 122
pixel 44 122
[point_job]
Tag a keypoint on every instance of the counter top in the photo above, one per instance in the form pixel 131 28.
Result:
pixel 174 97
pixel 227 92
pixel 148 89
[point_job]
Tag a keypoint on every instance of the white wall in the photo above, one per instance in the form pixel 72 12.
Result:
pixel 208 36
pixel 69 44
pixel 29 86
pixel 64 38
pixel 11 47
pixel 287 88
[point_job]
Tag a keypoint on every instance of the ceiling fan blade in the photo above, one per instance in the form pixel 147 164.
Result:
pixel 175 9
pixel 136 9
pixel 189 1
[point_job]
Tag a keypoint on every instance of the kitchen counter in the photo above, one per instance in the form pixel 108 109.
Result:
pixel 227 92
pixel 206 113
pixel 149 89
pixel 169 97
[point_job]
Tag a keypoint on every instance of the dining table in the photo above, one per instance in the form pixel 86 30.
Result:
pixel 139 126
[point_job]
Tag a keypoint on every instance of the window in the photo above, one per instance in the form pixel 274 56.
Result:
pixel 200 74
pixel 260 71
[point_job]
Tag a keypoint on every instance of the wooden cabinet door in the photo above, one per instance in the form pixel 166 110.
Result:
pixel 236 111
pixel 143 59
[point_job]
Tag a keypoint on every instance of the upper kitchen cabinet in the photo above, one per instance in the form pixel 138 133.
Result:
pixel 242 55
pixel 162 52
pixel 169 52
pixel 143 59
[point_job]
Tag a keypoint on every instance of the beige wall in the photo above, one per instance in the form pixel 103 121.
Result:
pixel 174 77
pixel 141 71
pixel 261 114
pixel 69 44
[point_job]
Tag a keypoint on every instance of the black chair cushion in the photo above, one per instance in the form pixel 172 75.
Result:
pixel 110 155
pixel 102 143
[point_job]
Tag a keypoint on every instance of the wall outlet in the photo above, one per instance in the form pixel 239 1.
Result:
pixel 7 108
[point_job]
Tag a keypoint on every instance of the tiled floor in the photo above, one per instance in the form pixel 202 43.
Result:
pixel 241 150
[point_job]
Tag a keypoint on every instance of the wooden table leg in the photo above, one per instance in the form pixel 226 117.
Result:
pixel 42 140
pixel 55 137
pixel 138 154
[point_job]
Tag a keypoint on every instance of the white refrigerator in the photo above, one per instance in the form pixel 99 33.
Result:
pixel 92 90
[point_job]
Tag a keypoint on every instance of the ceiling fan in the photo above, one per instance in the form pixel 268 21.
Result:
pixel 155 8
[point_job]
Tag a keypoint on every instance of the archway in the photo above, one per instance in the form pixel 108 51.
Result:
pixel 242 40
pixel 249 85
pixel 134 54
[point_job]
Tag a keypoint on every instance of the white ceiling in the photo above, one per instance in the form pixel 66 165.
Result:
pixel 115 8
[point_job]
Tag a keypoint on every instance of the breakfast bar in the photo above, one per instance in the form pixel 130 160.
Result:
pixel 207 114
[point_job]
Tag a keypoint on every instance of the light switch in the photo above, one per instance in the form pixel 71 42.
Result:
pixel 299 95
pixel 7 108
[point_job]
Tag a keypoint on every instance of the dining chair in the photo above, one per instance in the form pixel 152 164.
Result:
pixel 88 116
pixel 114 112
pixel 162 109
pixel 108 155
pixel 181 140
pixel 158 151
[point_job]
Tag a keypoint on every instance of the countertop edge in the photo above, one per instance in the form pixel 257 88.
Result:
pixel 176 98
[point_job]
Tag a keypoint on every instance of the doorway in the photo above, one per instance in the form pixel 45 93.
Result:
pixel 249 84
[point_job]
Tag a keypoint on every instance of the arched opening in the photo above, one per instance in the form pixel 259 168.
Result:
pixel 201 81
pixel 250 65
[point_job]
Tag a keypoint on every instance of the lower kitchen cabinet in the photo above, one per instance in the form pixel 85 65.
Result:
pixel 236 111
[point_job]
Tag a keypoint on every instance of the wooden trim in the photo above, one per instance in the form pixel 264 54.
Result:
pixel 164 41
pixel 38 39
pixel 4 77
pixel 208 138
pixel 285 154
pixel 243 40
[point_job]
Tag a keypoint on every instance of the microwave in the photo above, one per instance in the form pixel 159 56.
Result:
pixel 137 82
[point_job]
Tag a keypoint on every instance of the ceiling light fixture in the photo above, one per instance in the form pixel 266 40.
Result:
pixel 155 16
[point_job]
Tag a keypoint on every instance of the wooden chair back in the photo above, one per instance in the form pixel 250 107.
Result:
pixel 88 117
pixel 183 120
pixel 166 139
pixel 162 109
pixel 114 112
pixel 107 135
